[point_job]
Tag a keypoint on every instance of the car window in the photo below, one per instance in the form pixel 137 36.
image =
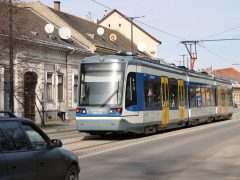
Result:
pixel 12 137
pixel 1 139
pixel 38 142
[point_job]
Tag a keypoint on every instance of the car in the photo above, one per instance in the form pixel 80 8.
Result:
pixel 27 153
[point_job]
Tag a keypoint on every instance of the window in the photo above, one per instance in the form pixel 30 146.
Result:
pixel 38 142
pixel 192 93
pixel 109 25
pixel 148 93
pixel 230 98
pixel 173 90
pixel 119 25
pixel 75 89
pixel 198 97
pixel 60 87
pixel 131 90
pixel 203 94
pixel 49 87
pixel 223 97
pixel 12 138
pixel 152 93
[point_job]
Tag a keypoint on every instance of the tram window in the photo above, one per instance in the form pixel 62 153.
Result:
pixel 148 93
pixel 131 90
pixel 173 92
pixel 156 95
pixel 223 98
pixel 198 97
pixel 230 98
pixel 152 94
pixel 203 94
pixel 208 100
pixel 192 93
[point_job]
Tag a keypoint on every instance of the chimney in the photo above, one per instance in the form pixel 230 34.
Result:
pixel 57 5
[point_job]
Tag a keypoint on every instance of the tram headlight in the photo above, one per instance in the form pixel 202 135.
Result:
pixel 115 110
pixel 81 110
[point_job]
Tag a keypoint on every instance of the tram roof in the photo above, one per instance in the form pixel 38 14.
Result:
pixel 139 60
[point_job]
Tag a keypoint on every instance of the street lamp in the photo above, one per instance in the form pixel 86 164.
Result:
pixel 132 18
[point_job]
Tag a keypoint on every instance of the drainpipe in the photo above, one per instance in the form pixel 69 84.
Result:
pixel 68 53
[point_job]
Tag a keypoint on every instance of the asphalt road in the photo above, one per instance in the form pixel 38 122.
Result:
pixel 203 152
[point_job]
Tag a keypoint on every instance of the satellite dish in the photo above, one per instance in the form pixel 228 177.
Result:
pixel 65 33
pixel 113 37
pixel 100 31
pixel 153 51
pixel 141 47
pixel 49 28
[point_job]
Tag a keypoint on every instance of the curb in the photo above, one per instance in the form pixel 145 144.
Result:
pixel 59 131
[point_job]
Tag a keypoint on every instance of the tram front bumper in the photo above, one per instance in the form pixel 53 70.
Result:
pixel 101 124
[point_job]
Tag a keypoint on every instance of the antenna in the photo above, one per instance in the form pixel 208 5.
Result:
pixel 65 33
pixel 49 28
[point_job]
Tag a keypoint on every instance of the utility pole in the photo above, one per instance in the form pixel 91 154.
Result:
pixel 132 18
pixel 183 55
pixel 192 52
pixel 11 72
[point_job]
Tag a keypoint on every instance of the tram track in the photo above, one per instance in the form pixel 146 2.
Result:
pixel 93 146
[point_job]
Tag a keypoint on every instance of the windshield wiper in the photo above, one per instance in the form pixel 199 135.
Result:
pixel 110 97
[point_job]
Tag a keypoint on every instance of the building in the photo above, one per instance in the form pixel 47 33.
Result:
pixel 46 65
pixel 117 21
pixel 233 75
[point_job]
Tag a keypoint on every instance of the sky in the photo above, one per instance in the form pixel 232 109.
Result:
pixel 184 19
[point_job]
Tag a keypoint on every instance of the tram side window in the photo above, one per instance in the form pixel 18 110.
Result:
pixel 212 96
pixel 223 98
pixel 131 90
pixel 192 94
pixel 152 94
pixel 198 97
pixel 230 98
pixel 148 93
pixel 173 92
pixel 203 94
pixel 157 95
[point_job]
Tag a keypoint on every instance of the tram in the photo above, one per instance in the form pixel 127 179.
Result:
pixel 122 94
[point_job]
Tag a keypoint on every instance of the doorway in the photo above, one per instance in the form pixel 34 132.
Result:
pixel 30 82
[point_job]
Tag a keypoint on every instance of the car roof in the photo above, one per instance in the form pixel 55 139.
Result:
pixel 11 117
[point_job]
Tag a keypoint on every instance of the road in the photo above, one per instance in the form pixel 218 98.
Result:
pixel 209 152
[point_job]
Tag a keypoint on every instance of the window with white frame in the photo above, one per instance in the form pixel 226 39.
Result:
pixel 75 89
pixel 49 87
pixel 60 86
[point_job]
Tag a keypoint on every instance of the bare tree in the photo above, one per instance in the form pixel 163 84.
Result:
pixel 22 26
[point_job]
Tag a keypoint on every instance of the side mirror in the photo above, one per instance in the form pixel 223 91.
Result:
pixel 56 143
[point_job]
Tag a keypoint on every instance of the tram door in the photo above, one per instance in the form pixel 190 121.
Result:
pixel 181 100
pixel 165 101
pixel 219 100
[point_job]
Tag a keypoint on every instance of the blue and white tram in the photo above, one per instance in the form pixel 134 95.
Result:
pixel 133 94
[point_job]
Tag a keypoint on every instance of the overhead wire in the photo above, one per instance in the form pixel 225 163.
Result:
pixel 178 37
pixel 222 32
pixel 150 26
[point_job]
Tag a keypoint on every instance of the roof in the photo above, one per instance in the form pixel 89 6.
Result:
pixel 29 26
pixel 89 30
pixel 127 18
pixel 228 72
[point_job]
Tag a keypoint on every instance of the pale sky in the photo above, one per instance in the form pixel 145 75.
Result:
pixel 187 19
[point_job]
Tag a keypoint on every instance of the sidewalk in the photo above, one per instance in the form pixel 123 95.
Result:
pixel 59 126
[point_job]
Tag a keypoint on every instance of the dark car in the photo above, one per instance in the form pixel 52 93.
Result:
pixel 27 153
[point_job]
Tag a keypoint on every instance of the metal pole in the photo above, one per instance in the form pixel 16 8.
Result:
pixel 11 72
pixel 131 34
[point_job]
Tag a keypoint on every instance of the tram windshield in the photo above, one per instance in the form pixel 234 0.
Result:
pixel 101 84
